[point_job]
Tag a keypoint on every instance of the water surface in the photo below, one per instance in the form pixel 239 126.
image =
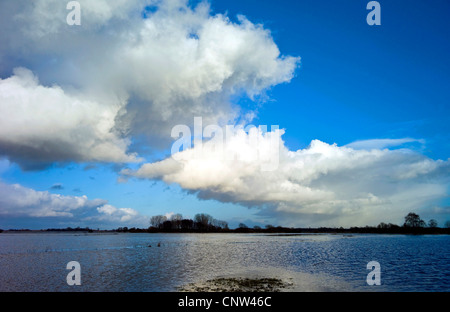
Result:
pixel 125 262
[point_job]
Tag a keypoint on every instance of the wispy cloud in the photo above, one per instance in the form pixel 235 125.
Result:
pixel 57 186
pixel 383 143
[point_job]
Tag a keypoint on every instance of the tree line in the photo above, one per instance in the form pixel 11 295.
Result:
pixel 203 222
pixel 176 222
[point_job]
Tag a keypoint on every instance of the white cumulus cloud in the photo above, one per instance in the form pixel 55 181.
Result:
pixel 40 125
pixel 137 77
pixel 17 201
pixel 317 185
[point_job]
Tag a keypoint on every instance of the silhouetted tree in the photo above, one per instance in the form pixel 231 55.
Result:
pixel 242 226
pixel 432 223
pixel 187 224
pixel 447 224
pixel 166 225
pixel 222 224
pixel 176 221
pixel 218 224
pixel 413 220
pixel 387 226
pixel 203 220
pixel 157 221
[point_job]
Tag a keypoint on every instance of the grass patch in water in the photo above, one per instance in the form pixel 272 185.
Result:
pixel 236 284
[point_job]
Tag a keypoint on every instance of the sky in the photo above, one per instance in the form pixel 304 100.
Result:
pixel 126 115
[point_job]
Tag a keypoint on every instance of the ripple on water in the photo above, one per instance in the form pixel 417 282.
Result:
pixel 125 262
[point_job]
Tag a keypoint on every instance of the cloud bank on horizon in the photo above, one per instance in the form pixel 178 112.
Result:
pixel 116 85
pixel 19 201
pixel 322 184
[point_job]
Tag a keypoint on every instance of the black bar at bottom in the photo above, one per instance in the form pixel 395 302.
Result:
pixel 185 301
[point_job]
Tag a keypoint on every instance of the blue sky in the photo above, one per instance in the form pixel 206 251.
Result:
pixel 354 82
pixel 360 82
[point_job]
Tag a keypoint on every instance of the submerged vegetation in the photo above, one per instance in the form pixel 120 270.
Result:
pixel 237 284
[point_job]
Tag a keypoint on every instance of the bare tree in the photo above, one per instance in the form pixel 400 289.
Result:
pixel 176 220
pixel 243 226
pixel 204 220
pixel 158 220
pixel 222 224
pixel 432 223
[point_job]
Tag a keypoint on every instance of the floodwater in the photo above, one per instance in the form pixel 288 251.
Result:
pixel 126 262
